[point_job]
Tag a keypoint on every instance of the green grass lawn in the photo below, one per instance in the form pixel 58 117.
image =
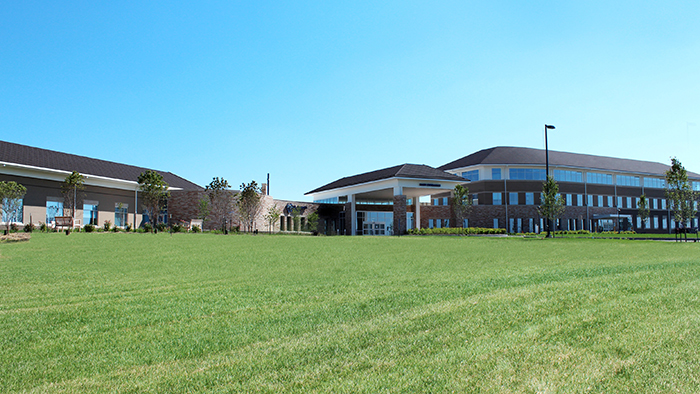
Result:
pixel 213 313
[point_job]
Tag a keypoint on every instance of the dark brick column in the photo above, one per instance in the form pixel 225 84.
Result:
pixel 400 215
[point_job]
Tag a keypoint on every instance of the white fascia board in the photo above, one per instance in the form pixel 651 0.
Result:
pixel 381 184
pixel 51 174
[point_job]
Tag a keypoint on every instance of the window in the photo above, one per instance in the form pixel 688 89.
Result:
pixel 14 208
pixel 120 212
pixel 610 201
pixel 656 183
pixel 619 202
pixel 626 180
pixel 600 201
pixel 636 203
pixel 639 222
pixel 529 198
pixel 526 174
pixel 590 200
pixel 438 223
pixel 569 199
pixel 54 207
pixel 652 203
pixel 664 223
pixel 579 200
pixel 568 176
pixel 495 223
pixel 663 203
pixel 496 173
pixel 444 201
pixel 512 198
pixel 629 202
pixel 446 222
pixel 465 223
pixel 90 213
pixel 594 177
pixel 436 201
pixel 696 187
pixel 431 223
pixel 656 222
pixel 471 175
pixel 496 198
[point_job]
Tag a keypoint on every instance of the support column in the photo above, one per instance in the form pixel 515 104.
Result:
pixel 353 215
pixel 400 215
pixel 416 216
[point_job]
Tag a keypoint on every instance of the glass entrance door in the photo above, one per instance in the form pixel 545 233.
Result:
pixel 373 228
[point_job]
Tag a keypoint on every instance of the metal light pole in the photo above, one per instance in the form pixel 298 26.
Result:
pixel 546 150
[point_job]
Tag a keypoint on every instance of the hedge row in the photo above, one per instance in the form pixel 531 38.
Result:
pixel 459 231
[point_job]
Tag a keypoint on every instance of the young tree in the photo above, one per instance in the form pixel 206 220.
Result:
pixel 461 204
pixel 11 194
pixel 296 218
pixel 312 222
pixel 272 216
pixel 249 204
pixel 72 189
pixel 679 193
pixel 552 205
pixel 220 202
pixel 643 209
pixel 154 194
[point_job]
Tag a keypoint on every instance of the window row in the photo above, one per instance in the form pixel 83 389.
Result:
pixel 536 174
pixel 577 200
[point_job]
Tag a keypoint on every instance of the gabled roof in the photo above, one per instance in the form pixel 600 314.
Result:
pixel 507 155
pixel 43 158
pixel 417 171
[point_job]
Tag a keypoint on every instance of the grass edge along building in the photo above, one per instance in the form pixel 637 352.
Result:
pixel 600 193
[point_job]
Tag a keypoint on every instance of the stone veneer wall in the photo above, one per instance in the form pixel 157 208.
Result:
pixel 184 206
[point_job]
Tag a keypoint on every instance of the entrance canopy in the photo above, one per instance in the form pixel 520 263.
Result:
pixel 393 185
pixel 411 180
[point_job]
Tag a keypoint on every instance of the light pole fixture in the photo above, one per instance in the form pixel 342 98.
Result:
pixel 546 178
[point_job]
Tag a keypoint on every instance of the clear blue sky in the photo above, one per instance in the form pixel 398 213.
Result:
pixel 314 91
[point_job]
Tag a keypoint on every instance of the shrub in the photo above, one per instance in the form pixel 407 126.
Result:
pixel 89 228
pixel 176 228
pixel 115 229
pixel 107 225
pixel 161 226
pixel 13 228
pixel 127 228
pixel 29 227
pixel 147 227
pixel 43 227
pixel 196 229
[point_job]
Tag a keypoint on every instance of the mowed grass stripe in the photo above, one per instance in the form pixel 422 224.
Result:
pixel 375 314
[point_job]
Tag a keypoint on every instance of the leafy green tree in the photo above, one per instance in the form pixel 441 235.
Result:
pixel 679 193
pixel 461 204
pixel 72 189
pixel 220 203
pixel 272 216
pixel 643 209
pixel 296 218
pixel 249 204
pixel 11 195
pixel 552 206
pixel 154 194
pixel 312 222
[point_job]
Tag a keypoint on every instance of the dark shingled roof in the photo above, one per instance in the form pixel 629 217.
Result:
pixel 528 156
pixel 418 171
pixel 27 155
